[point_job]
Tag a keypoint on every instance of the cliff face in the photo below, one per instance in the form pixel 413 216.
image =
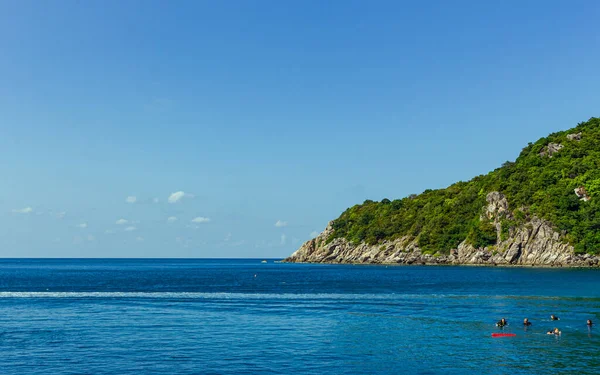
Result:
pixel 533 243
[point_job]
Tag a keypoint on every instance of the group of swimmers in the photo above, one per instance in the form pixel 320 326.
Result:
pixel 503 323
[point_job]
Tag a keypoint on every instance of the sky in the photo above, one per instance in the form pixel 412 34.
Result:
pixel 239 129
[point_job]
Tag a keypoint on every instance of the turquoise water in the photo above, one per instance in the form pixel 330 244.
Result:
pixel 242 317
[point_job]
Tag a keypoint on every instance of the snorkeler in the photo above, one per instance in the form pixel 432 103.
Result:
pixel 554 317
pixel 526 322
pixel 555 331
pixel 589 322
pixel 502 322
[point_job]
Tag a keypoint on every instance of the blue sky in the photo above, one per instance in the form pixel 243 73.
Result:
pixel 264 120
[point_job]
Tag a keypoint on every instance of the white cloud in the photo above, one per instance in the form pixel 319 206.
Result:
pixel 139 239
pixel 82 225
pixel 61 215
pixel 171 219
pixel 281 224
pixel 130 229
pixel 26 210
pixel 227 237
pixel 175 197
pixel 91 238
pixel 131 199
pixel 283 239
pixel 121 222
pixel 200 219
pixel 314 234
pixel 109 231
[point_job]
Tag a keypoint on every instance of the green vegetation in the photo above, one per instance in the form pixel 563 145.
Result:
pixel 534 185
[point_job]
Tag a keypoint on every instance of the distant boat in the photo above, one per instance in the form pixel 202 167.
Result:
pixel 264 261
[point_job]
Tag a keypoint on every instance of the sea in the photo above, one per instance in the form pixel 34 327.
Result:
pixel 244 316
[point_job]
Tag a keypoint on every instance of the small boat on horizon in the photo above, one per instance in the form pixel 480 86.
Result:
pixel 264 261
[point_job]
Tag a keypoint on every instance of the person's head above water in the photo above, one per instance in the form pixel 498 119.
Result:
pixel 589 322
pixel 556 331
pixel 526 322
pixel 554 317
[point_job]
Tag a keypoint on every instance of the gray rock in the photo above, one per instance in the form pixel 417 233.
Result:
pixel 497 205
pixel 551 149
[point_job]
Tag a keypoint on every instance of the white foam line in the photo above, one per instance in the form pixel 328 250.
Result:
pixel 252 296
pixel 193 295
pixel 219 295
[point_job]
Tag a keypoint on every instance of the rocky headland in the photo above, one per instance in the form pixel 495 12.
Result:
pixel 541 210
pixel 534 243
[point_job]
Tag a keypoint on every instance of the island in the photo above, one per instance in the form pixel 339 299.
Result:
pixel 543 210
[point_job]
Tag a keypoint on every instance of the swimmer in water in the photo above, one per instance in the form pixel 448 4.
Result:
pixel 554 317
pixel 526 322
pixel 589 322
pixel 555 331
pixel 502 322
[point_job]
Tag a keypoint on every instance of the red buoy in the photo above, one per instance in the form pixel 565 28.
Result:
pixel 496 334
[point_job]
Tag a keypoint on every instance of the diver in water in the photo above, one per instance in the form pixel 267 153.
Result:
pixel 526 322
pixel 501 323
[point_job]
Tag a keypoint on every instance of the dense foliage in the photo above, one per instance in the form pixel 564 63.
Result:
pixel 534 185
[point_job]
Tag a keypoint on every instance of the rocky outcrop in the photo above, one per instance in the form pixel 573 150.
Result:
pixel 533 243
pixel 574 137
pixel 582 194
pixel 497 206
pixel 551 149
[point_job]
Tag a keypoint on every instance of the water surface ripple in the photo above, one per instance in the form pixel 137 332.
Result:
pixel 243 317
